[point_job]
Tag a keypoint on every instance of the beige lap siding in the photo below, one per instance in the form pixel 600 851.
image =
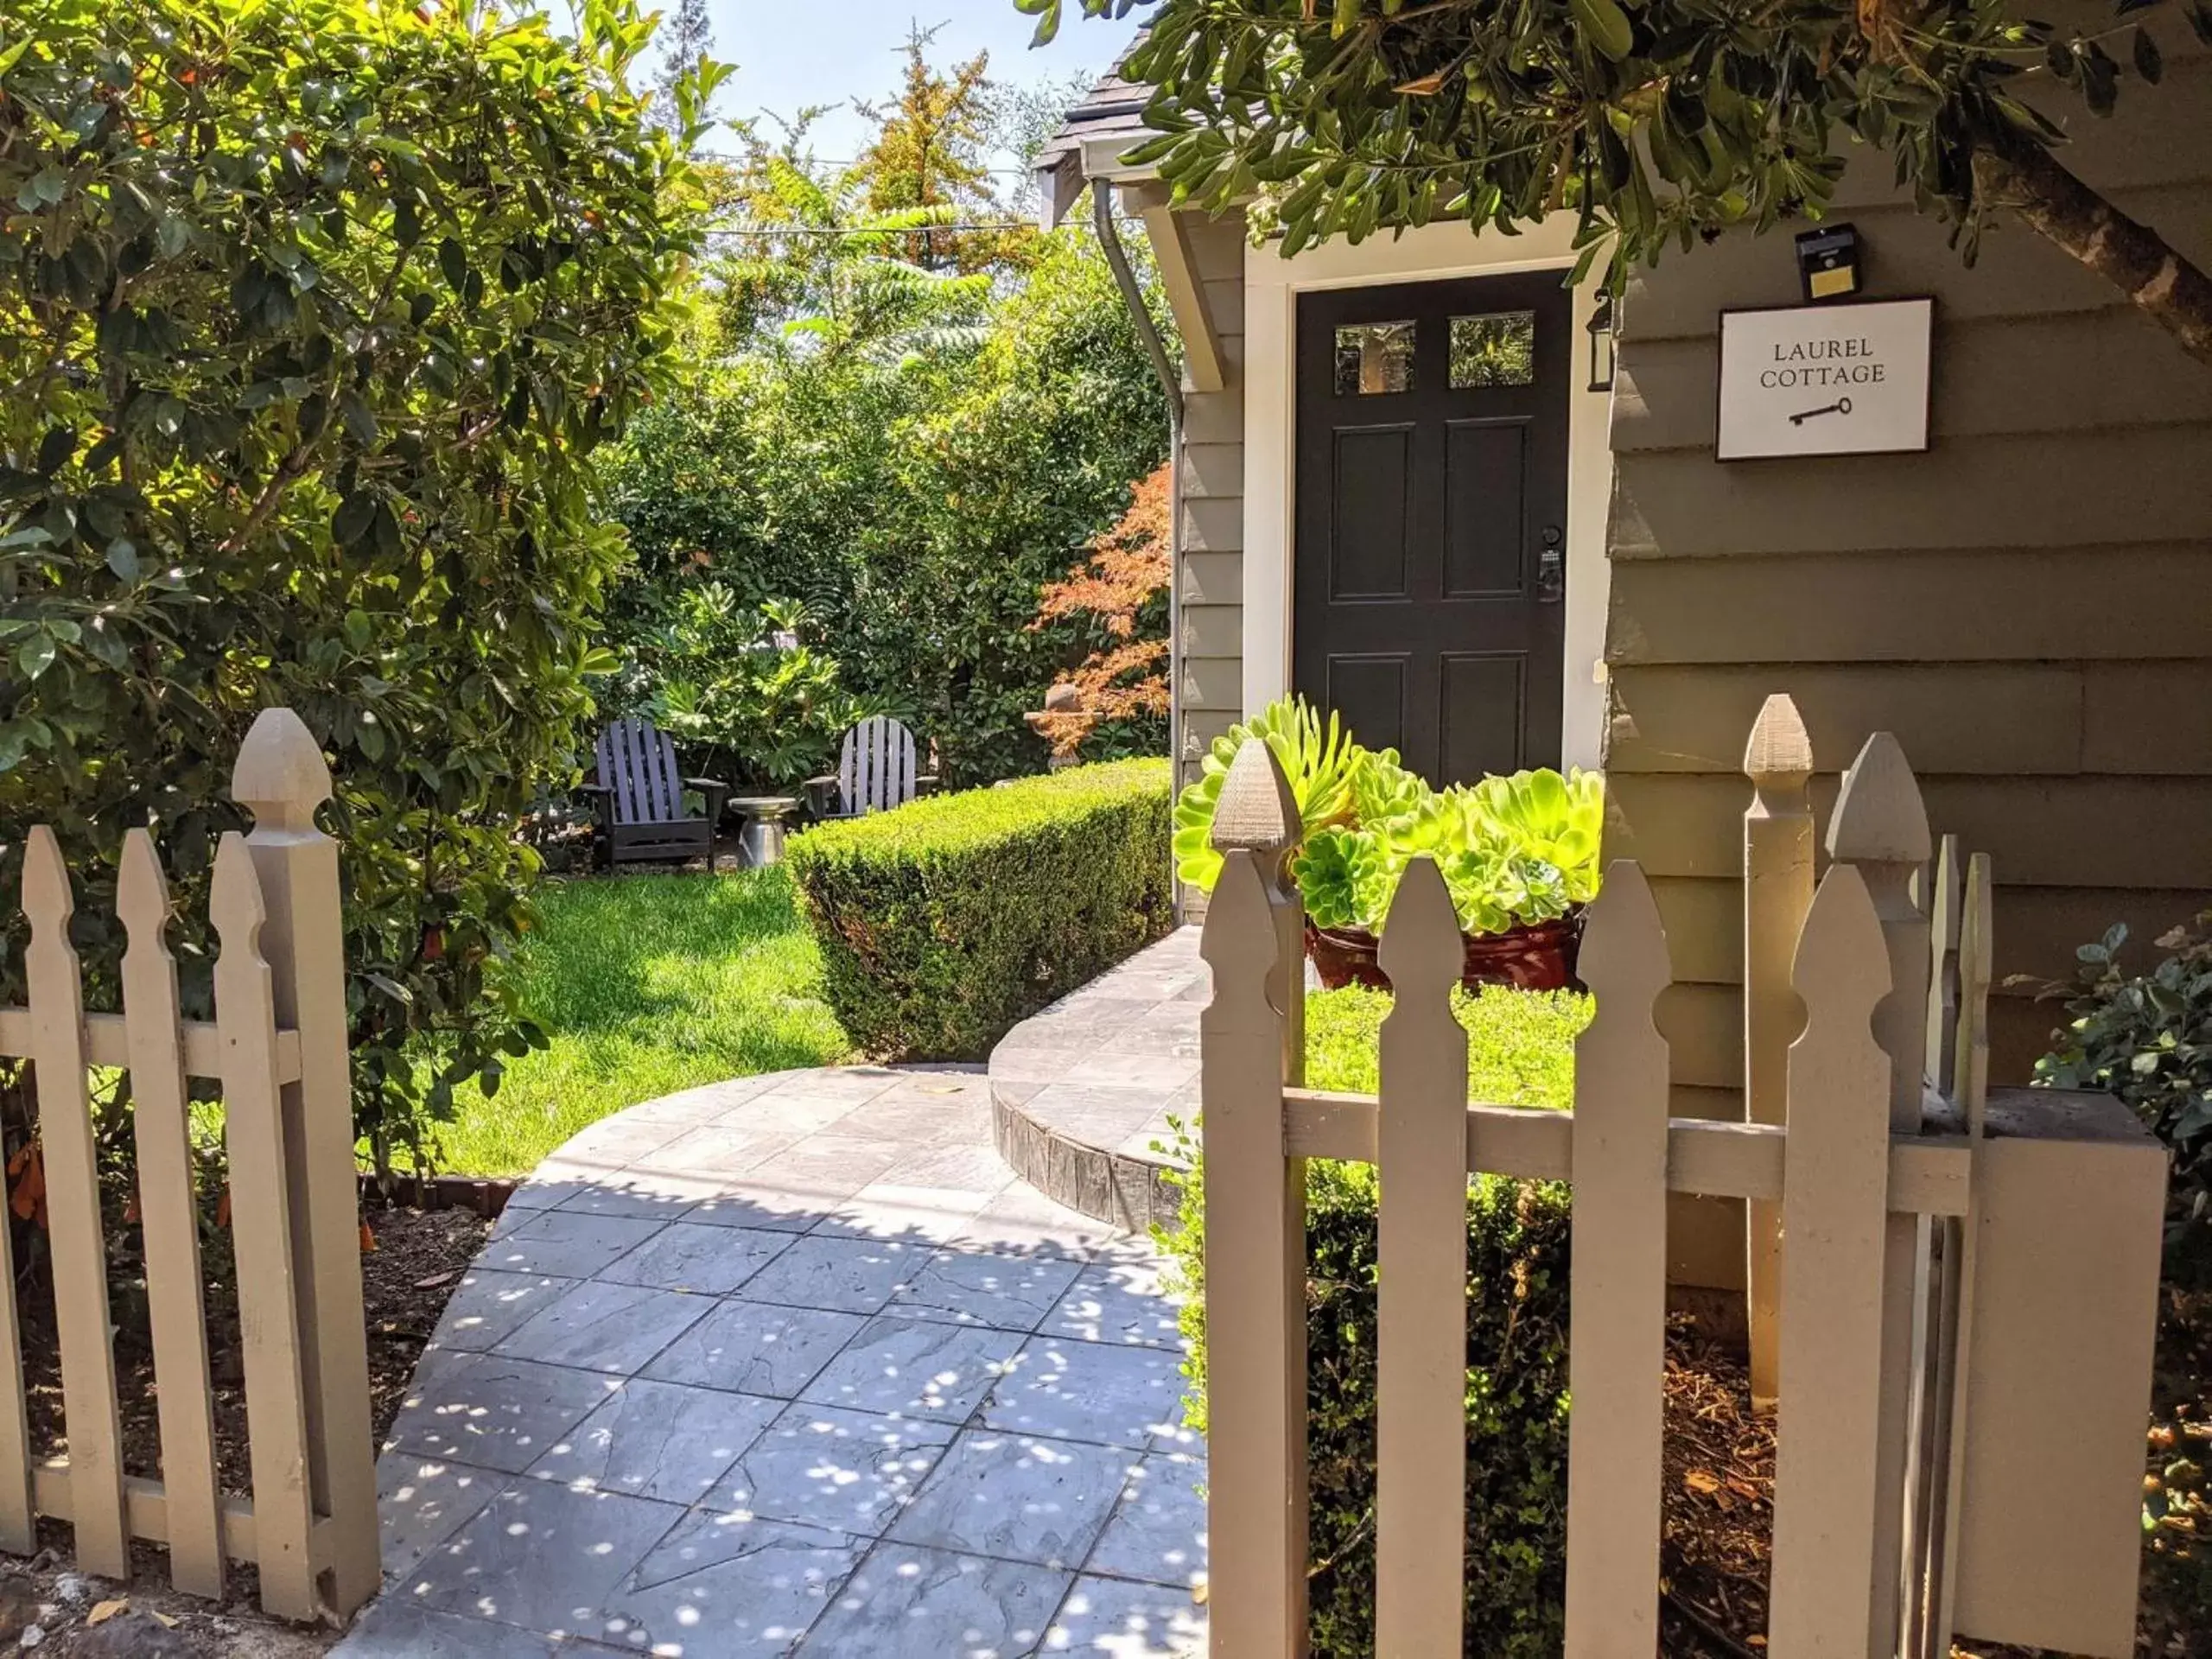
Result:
pixel 2028 605
pixel 1209 574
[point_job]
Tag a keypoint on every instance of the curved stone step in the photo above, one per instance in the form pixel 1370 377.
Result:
pixel 1082 1093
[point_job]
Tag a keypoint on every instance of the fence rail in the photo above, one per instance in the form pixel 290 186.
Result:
pixel 1877 1205
pixel 276 1049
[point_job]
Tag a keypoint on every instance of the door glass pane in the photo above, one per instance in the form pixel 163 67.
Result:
pixel 1495 350
pixel 1374 357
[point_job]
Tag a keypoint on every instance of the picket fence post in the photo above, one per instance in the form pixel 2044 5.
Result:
pixel 1420 1525
pixel 1825 1584
pixel 1777 892
pixel 1255 1258
pixel 261 1234
pixel 1880 828
pixel 282 778
pixel 1616 1348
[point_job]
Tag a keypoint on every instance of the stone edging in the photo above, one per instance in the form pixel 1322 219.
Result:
pixel 1081 1092
pixel 1124 1188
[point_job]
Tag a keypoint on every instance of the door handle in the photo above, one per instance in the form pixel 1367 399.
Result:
pixel 1551 569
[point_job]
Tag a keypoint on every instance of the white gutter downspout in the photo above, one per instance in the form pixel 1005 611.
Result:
pixel 1109 240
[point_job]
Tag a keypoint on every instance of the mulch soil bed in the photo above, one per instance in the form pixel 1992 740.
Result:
pixel 1716 1489
pixel 1718 1477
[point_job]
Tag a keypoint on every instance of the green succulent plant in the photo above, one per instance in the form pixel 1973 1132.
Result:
pixel 1319 758
pixel 1347 876
pixel 1513 850
pixel 1327 870
pixel 1559 821
pixel 1384 791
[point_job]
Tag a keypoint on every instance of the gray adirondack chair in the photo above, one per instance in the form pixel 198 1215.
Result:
pixel 875 771
pixel 640 801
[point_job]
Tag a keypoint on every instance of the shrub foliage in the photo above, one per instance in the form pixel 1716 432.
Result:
pixel 311 315
pixel 912 464
pixel 945 921
pixel 2146 1038
pixel 1521 1052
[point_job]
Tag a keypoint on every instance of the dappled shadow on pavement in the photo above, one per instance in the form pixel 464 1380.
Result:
pixel 792 1365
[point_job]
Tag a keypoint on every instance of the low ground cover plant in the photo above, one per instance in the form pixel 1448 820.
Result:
pixel 944 922
pixel 1521 1052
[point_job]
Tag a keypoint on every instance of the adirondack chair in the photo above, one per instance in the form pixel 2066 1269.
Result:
pixel 639 800
pixel 875 771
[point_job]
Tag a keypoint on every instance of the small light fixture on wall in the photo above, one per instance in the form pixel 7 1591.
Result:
pixel 1601 345
pixel 1828 262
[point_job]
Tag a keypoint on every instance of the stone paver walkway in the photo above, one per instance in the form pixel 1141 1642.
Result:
pixel 794 1365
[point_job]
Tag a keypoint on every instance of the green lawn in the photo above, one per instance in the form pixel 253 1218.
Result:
pixel 649 984
pixel 1520 1043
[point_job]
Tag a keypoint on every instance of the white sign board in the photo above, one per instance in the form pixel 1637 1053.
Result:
pixel 1825 380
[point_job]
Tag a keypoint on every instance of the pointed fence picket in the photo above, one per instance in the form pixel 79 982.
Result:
pixel 1618 1286
pixel 1827 1481
pixel 1861 1158
pixel 277 1047
pixel 1421 1523
pixel 169 1215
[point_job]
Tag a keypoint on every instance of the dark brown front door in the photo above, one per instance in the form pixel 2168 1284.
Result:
pixel 1430 582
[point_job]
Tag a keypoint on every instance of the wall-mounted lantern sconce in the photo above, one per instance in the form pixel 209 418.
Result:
pixel 1601 345
pixel 1828 262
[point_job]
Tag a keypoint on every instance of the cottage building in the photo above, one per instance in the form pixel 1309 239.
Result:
pixel 1424 483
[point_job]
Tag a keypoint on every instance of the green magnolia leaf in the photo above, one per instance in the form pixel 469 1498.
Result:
pixel 1604 25
pixel 35 655
pixel 361 420
pixel 54 449
pixel 356 516
pixel 122 559
pixel 2149 62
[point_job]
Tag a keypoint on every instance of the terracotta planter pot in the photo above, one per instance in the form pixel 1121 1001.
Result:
pixel 1538 957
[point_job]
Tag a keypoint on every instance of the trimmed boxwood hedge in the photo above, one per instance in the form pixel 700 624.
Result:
pixel 1521 1053
pixel 946 920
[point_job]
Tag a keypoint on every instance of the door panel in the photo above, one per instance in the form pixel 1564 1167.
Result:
pixel 1485 508
pixel 1369 693
pixel 1431 487
pixel 1480 712
pixel 1373 478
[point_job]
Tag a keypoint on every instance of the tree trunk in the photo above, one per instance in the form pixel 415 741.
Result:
pixel 2131 256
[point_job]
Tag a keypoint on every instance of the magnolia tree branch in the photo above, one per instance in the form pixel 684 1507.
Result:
pixel 2127 253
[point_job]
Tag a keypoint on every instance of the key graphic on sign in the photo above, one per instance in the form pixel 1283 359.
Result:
pixel 1841 406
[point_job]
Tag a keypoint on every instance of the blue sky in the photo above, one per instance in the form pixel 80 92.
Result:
pixel 831 51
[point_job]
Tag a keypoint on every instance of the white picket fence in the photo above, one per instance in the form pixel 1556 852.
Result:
pixel 1869 1325
pixel 277 1048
